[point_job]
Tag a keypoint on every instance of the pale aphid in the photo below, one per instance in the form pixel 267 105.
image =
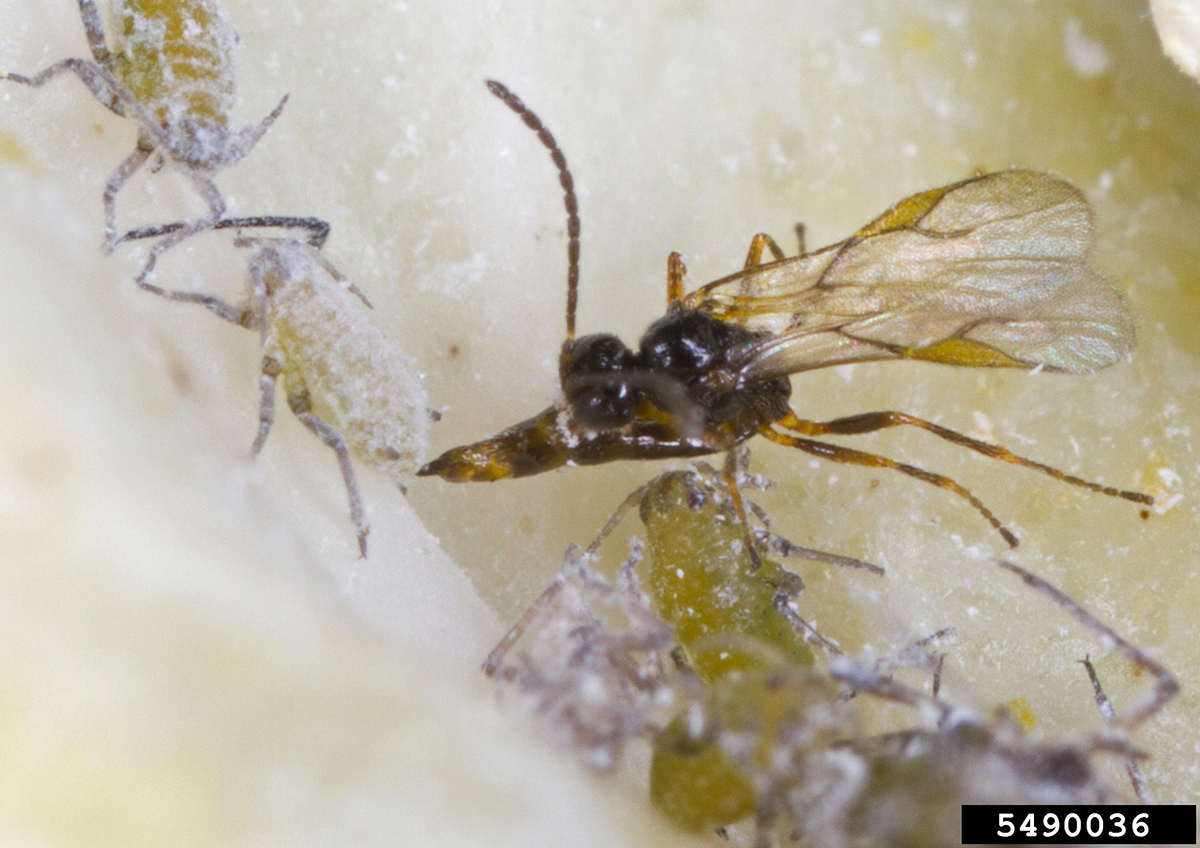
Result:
pixel 168 65
pixel 593 660
pixel 348 381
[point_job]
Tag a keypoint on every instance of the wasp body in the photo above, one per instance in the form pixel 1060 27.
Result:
pixel 990 271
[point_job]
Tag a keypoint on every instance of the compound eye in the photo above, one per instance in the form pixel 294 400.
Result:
pixel 604 407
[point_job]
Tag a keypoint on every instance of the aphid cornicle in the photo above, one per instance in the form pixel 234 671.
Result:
pixel 169 67
pixel 990 271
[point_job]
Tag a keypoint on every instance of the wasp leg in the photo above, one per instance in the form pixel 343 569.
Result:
pixel 729 473
pixel 301 406
pixel 266 402
pixel 1136 776
pixel 837 453
pixel 754 255
pixel 676 271
pixel 869 422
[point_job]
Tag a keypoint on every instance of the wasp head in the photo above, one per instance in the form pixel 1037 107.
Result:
pixel 596 374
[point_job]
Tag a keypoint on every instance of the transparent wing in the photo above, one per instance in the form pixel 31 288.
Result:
pixel 991 271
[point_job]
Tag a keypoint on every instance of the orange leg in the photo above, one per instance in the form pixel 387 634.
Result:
pixel 869 422
pixel 676 271
pixel 837 453
pixel 761 240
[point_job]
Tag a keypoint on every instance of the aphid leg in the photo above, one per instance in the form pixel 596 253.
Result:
pixel 919 656
pixel 252 136
pixel 634 498
pixel 801 241
pixel 787 548
pixel 861 677
pixel 837 453
pixel 494 660
pixel 729 473
pixel 676 271
pixel 216 206
pixel 301 406
pixel 1167 686
pixel 266 402
pixel 93 26
pixel 869 422
pixel 754 255
pixel 116 181
pixel 1132 768
pixel 99 81
pixel 782 601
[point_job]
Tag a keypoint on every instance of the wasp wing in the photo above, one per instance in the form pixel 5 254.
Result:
pixel 991 271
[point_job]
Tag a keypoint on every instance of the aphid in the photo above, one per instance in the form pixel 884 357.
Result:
pixel 169 67
pixel 908 787
pixel 595 681
pixel 723 605
pixel 346 380
pixel 779 742
pixel 990 271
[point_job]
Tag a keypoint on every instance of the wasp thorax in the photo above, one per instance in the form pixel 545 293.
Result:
pixel 685 344
pixel 596 382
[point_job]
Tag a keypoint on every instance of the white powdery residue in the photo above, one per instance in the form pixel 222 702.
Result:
pixel 1075 445
pixel 1178 25
pixel 909 149
pixel 454 279
pixel 1105 183
pixel 1169 477
pixel 1087 56
pixel 872 37
pixel 981 427
pixel 846 372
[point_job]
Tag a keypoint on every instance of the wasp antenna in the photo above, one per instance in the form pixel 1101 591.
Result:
pixel 569 200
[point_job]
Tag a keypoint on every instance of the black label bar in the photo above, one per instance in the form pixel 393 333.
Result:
pixel 1079 824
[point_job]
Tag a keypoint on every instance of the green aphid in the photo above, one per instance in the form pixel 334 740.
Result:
pixel 713 765
pixel 700 578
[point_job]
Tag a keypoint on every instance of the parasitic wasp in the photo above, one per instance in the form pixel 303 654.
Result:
pixel 990 271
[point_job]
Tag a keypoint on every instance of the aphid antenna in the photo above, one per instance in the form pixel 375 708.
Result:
pixel 1165 689
pixel 569 199
pixel 318 229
